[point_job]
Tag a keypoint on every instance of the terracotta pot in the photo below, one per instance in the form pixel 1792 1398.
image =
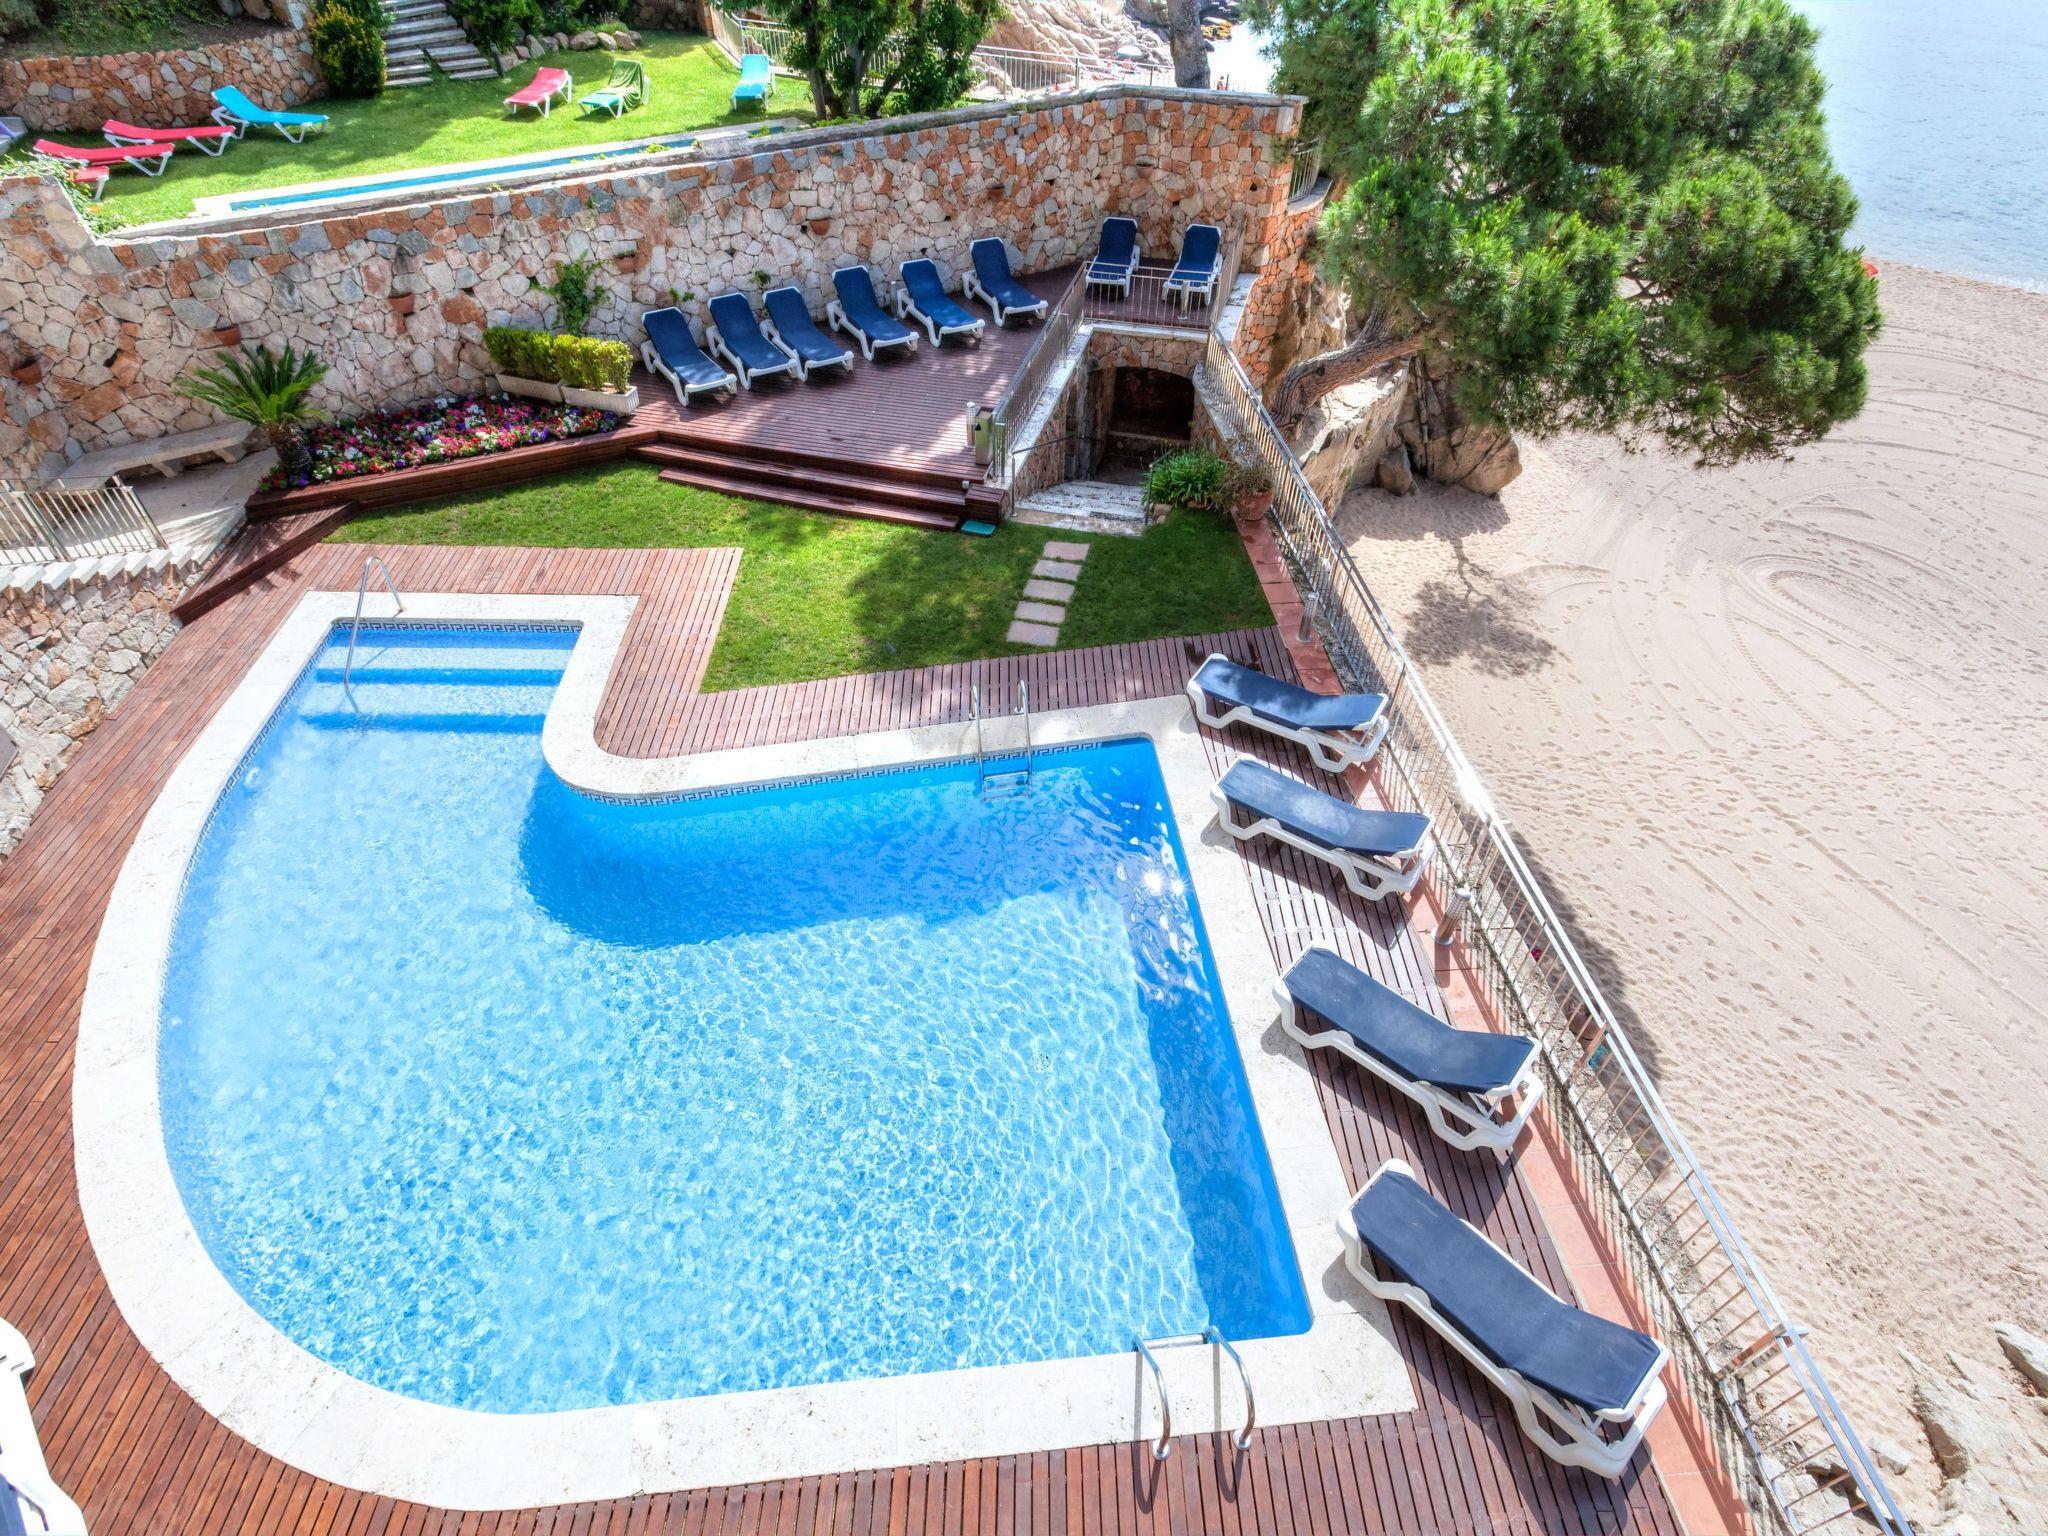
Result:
pixel 1253 507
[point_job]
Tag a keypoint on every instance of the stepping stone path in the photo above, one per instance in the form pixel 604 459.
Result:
pixel 1043 608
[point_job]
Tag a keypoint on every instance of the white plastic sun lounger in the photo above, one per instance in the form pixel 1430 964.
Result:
pixel 1379 853
pixel 1340 730
pixel 33 1501
pixel 1461 1078
pixel 1584 1389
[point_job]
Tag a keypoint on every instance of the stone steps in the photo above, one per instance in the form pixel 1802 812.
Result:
pixel 420 30
pixel 1085 506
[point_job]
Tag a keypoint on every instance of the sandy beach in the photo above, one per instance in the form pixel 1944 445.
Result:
pixel 1777 736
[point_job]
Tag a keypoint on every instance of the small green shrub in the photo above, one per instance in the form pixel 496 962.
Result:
pixel 589 362
pixel 1194 478
pixel 521 353
pixel 348 49
pixel 497 24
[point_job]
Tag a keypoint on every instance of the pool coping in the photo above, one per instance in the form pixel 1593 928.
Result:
pixel 255 1380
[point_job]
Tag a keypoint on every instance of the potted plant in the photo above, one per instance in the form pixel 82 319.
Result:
pixel 1251 488
pixel 266 389
pixel 596 375
pixel 525 361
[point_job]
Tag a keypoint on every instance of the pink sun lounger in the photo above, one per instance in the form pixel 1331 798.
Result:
pixel 150 159
pixel 210 139
pixel 546 85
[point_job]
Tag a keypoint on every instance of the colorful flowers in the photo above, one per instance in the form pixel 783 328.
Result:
pixel 433 433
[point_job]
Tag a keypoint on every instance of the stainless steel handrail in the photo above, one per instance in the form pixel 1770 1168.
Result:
pixel 356 627
pixel 1163 1446
pixel 1243 1439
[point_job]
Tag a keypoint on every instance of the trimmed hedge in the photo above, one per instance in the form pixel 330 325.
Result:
pixel 581 362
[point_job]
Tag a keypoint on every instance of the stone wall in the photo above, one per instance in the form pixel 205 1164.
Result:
pixel 396 300
pixel 1285 318
pixel 67 657
pixel 76 95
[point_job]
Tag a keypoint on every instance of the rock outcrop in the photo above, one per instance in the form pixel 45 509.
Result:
pixel 1103 34
pixel 1345 434
pixel 1989 1435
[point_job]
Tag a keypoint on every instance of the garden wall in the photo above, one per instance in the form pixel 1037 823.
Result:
pixel 76 95
pixel 396 299
pixel 68 656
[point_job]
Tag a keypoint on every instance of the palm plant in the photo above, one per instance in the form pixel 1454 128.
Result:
pixel 266 389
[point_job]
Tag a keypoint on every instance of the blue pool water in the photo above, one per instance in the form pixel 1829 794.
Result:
pixel 454 174
pixel 504 1097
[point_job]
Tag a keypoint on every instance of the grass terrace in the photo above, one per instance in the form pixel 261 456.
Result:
pixel 822 596
pixel 448 123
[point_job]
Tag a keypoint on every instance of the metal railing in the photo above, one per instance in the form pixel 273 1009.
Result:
pixel 1308 165
pixel 42 526
pixel 1012 71
pixel 1776 1425
pixel 355 628
pixel 1146 303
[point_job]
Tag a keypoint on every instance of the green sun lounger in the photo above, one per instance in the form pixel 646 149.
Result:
pixel 626 90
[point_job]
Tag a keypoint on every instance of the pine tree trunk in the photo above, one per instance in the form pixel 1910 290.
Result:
pixel 1314 377
pixel 1190 52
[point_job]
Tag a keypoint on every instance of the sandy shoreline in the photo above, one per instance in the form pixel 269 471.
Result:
pixel 1776 735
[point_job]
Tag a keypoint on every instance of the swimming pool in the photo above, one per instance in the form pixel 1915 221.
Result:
pixel 447 177
pixel 506 1097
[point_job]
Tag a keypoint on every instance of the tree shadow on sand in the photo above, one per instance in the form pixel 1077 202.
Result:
pixel 1602 959
pixel 1472 615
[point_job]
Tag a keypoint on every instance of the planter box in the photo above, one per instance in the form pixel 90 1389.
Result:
pixel 601 399
pixel 531 389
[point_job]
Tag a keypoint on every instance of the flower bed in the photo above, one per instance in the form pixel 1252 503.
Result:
pixel 435 433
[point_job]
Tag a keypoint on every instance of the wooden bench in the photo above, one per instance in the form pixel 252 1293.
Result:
pixel 166 455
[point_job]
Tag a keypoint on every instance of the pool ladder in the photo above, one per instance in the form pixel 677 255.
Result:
pixel 1163 1446
pixel 356 628
pixel 1008 781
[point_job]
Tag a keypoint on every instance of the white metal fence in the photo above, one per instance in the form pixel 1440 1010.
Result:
pixel 1776 1425
pixel 1006 71
pixel 40 526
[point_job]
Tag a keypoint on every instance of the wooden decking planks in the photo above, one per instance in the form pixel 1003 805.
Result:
pixel 142 1457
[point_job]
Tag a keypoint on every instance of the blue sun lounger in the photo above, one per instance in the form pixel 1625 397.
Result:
pixel 1461 1078
pixel 671 351
pixel 790 326
pixel 1379 853
pixel 923 299
pixel 1585 1389
pixel 234 110
pixel 1116 256
pixel 736 337
pixel 856 311
pixel 1340 730
pixel 757 79
pixel 990 281
pixel 1194 275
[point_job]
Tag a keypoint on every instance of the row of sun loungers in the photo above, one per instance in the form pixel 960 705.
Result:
pixel 625 89
pixel 1585 1389
pixel 744 347
pixel 149 150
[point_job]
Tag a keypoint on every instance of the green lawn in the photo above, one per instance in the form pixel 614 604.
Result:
pixel 821 596
pixel 450 122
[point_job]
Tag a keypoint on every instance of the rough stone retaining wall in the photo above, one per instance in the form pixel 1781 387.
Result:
pixel 67 657
pixel 76 95
pixel 396 300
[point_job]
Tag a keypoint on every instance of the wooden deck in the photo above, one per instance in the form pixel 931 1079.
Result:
pixel 141 1457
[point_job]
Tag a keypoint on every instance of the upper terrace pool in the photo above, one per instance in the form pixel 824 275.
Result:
pixel 507 1098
